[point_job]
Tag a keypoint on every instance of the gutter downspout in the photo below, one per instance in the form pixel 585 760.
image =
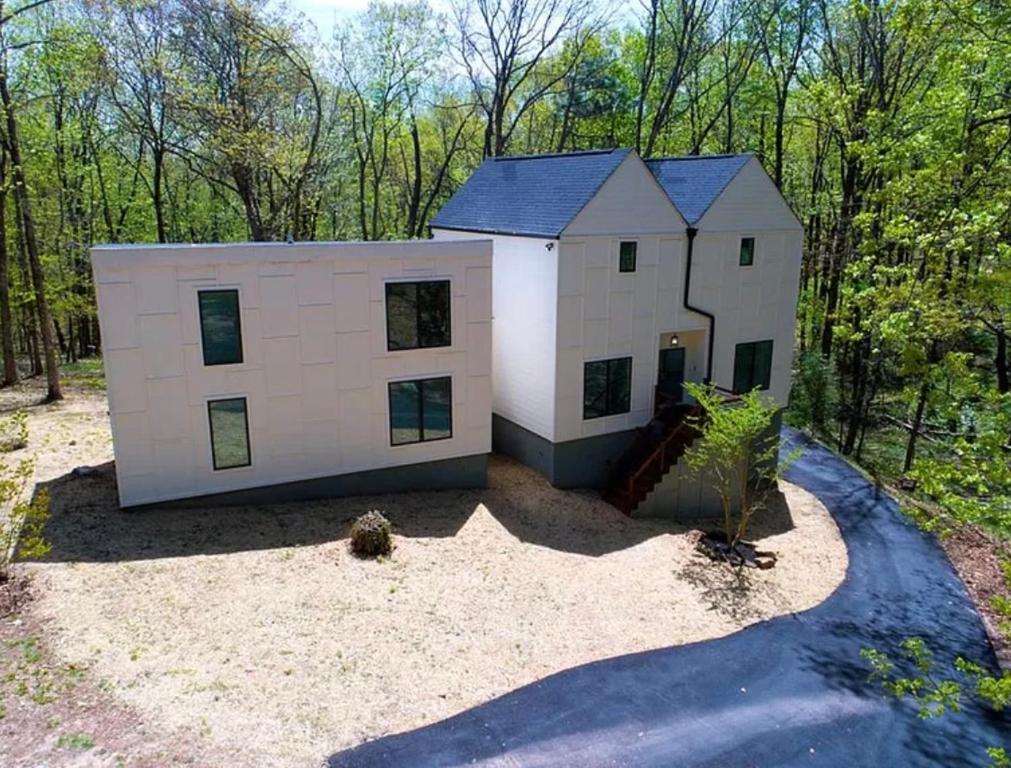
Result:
pixel 691 232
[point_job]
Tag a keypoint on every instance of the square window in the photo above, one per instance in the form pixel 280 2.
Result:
pixel 229 424
pixel 220 327
pixel 747 251
pixel 752 366
pixel 417 315
pixel 627 250
pixel 607 387
pixel 421 411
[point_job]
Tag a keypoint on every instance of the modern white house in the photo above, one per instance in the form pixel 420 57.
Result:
pixel 554 317
pixel 615 280
pixel 285 371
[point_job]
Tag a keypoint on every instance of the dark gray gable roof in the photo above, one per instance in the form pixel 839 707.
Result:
pixel 536 195
pixel 692 183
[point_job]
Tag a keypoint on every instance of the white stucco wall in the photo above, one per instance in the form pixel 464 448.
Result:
pixel 315 369
pixel 524 311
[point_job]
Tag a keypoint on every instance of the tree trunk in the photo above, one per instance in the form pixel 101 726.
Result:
pixel 1001 362
pixel 10 365
pixel 914 432
pixel 24 212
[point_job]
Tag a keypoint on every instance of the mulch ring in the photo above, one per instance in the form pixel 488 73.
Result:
pixel 743 554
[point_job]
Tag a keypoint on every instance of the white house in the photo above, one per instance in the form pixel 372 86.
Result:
pixel 614 280
pixel 280 371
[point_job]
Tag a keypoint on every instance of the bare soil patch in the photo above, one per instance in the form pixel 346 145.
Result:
pixel 977 556
pixel 257 631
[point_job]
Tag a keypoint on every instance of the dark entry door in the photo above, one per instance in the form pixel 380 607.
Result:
pixel 672 372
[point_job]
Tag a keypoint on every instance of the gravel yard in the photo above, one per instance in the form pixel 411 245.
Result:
pixel 256 633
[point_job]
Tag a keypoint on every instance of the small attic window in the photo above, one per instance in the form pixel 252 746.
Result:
pixel 626 255
pixel 747 251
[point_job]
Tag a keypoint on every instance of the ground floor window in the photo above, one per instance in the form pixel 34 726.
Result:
pixel 229 423
pixel 421 410
pixel 607 387
pixel 752 366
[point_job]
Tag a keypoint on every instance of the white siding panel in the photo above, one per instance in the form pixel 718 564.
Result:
pixel 161 338
pixel 316 333
pixel 278 306
pixel 750 203
pixel 317 398
pixel 525 289
pixel 119 305
pixel 351 302
pixel 631 203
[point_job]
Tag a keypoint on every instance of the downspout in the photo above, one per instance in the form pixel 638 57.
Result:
pixel 691 232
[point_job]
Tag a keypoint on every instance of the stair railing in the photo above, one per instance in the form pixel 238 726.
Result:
pixel 659 453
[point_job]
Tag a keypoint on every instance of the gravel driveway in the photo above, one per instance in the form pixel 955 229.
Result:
pixel 790 691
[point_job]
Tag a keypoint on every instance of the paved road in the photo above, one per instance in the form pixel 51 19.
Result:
pixel 791 691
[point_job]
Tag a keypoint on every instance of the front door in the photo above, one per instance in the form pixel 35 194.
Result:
pixel 672 373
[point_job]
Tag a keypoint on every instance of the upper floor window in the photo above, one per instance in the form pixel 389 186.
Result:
pixel 627 250
pixel 421 411
pixel 417 315
pixel 229 423
pixel 220 327
pixel 607 387
pixel 747 251
pixel 752 366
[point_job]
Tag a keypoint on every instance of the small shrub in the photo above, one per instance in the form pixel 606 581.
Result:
pixel 809 401
pixel 14 432
pixel 22 520
pixel 372 535
pixel 75 741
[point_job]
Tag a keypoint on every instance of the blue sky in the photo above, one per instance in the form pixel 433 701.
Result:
pixel 322 13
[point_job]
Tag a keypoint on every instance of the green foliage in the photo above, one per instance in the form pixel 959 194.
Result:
pixel 23 520
pixel 809 402
pixel 75 741
pixel 372 535
pixel 972 484
pixel 14 432
pixel 933 692
pixel 736 451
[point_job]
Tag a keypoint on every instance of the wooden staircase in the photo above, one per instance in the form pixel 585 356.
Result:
pixel 655 450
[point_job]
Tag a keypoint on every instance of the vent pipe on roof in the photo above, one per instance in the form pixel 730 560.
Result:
pixel 691 232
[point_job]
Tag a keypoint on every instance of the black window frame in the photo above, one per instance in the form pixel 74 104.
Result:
pixel 210 427
pixel 608 384
pixel 238 325
pixel 752 378
pixel 420 383
pixel 621 256
pixel 418 314
pixel 751 253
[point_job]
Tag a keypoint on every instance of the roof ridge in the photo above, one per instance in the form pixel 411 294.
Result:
pixel 724 156
pixel 576 153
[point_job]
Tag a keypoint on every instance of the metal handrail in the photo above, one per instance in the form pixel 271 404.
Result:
pixel 659 451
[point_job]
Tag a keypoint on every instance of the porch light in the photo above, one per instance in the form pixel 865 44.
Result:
pixel 674 340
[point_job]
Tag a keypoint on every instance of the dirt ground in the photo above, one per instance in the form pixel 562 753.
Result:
pixel 255 633
pixel 977 556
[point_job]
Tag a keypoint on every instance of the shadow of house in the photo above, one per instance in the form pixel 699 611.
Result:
pixel 789 691
pixel 87 525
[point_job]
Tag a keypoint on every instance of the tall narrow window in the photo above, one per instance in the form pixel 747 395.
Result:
pixel 417 315
pixel 220 328
pixel 627 251
pixel 421 411
pixel 607 387
pixel 229 432
pixel 747 251
pixel 752 366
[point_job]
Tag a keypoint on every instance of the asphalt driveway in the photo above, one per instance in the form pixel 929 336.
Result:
pixel 791 691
